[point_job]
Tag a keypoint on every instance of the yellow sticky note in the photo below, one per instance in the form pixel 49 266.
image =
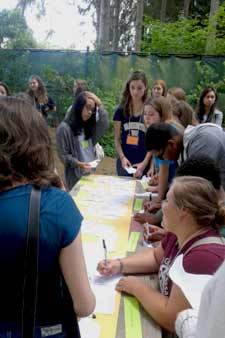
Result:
pixel 132 318
pixel 138 204
pixel 133 240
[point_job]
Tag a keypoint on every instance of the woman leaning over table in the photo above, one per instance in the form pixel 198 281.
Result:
pixel 191 212
pixel 25 160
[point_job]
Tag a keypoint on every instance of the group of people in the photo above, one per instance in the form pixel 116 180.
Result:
pixel 183 154
pixel 36 94
pixel 173 133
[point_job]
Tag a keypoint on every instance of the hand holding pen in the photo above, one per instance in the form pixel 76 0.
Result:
pixel 105 250
pixel 108 267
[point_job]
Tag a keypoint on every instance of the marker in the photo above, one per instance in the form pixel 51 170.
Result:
pixel 105 249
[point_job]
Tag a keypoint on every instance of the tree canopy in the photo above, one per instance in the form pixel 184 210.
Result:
pixel 14 32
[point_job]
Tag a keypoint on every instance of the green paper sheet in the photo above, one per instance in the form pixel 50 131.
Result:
pixel 138 204
pixel 133 240
pixel 133 327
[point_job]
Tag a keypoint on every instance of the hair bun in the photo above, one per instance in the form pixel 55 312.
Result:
pixel 220 214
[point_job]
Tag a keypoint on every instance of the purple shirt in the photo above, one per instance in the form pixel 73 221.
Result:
pixel 204 259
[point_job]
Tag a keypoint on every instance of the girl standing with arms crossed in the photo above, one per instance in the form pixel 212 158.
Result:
pixel 129 126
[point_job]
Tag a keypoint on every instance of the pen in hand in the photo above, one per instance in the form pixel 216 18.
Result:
pixel 105 249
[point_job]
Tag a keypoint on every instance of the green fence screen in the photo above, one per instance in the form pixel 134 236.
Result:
pixel 103 69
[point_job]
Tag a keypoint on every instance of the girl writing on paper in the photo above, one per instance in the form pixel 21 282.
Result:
pixel 129 127
pixel 192 215
pixel 74 137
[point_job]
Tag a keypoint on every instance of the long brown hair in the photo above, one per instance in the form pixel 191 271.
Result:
pixel 41 95
pixel 26 153
pixel 126 101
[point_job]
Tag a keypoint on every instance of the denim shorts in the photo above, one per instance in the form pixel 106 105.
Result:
pixel 53 331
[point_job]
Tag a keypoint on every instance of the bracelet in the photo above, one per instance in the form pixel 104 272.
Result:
pixel 121 265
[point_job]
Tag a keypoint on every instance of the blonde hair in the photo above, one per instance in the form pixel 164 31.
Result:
pixel 201 199
pixel 162 106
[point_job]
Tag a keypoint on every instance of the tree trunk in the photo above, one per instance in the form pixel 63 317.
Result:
pixel 210 43
pixel 104 25
pixel 116 28
pixel 139 22
pixel 163 11
pixel 186 7
pixel 98 8
pixel 214 7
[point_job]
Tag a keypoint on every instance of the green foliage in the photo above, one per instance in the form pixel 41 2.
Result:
pixel 14 32
pixel 207 77
pixel 59 87
pixel 110 99
pixel 183 36
pixel 186 35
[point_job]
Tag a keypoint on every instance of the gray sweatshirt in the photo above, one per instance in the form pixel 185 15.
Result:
pixel 72 149
pixel 206 139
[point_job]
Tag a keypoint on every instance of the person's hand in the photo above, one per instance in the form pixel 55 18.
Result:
pixel 140 168
pixel 154 179
pixel 152 233
pixel 141 217
pixel 152 188
pixel 152 206
pixel 151 172
pixel 94 97
pixel 84 166
pixel 110 267
pixel 129 285
pixel 125 162
pixel 146 218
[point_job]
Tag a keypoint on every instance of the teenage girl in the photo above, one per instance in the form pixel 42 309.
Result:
pixel 38 93
pixel 162 172
pixel 159 88
pixel 159 110
pixel 74 138
pixel 206 110
pixel 129 126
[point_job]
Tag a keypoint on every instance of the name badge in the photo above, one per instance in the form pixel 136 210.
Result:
pixel 84 144
pixel 132 140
